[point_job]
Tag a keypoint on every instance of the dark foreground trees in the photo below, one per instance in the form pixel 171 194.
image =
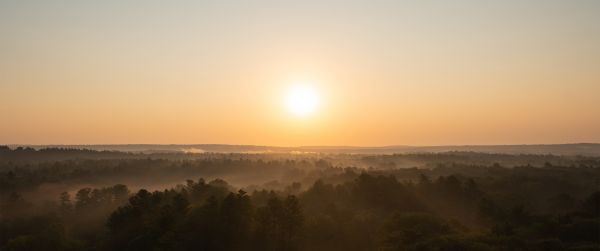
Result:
pixel 451 207
pixel 370 212
pixel 168 220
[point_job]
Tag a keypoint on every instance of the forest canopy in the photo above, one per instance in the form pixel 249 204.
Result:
pixel 68 199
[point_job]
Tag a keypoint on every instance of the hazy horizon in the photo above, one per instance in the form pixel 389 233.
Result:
pixel 292 146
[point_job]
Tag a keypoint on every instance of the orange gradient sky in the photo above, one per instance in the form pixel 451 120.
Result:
pixel 385 72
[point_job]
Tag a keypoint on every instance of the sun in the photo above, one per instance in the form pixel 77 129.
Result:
pixel 302 99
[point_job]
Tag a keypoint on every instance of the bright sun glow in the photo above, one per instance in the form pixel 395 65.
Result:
pixel 302 100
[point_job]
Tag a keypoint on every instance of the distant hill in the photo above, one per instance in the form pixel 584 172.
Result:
pixel 586 149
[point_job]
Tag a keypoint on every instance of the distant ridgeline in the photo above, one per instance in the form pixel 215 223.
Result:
pixel 584 149
pixel 27 154
pixel 47 154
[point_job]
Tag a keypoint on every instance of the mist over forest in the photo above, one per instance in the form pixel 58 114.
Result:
pixel 159 199
pixel 318 125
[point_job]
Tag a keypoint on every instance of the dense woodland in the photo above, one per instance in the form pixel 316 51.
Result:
pixel 68 199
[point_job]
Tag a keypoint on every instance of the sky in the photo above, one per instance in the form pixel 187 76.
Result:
pixel 383 72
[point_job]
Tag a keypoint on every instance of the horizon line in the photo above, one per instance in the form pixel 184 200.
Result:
pixel 308 146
